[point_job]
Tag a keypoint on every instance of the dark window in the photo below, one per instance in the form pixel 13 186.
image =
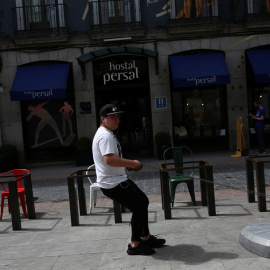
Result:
pixel 116 11
pixel 194 9
pixel 258 6
pixel 40 14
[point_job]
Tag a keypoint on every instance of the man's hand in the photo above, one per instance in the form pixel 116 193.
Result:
pixel 135 169
pixel 138 166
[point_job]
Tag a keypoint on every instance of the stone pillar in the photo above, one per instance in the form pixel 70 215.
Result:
pixel 237 96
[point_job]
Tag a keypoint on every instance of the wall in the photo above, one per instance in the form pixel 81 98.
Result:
pixel 234 48
pixel 155 14
pixel 10 116
pixel 6 22
pixel 160 87
pixel 86 123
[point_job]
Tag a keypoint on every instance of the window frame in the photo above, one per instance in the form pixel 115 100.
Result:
pixel 103 12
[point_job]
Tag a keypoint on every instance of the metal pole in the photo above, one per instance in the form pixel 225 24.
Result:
pixel 250 181
pixel 261 186
pixel 117 212
pixel 31 213
pixel 203 184
pixel 210 191
pixel 74 213
pixel 81 193
pixel 166 195
pixel 14 205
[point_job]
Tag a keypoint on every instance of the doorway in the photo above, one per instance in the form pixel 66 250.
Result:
pixel 123 80
pixel 135 129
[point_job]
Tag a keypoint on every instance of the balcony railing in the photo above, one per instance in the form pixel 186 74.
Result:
pixel 211 12
pixel 201 13
pixel 113 15
pixel 40 20
pixel 194 21
pixel 117 27
pixel 258 16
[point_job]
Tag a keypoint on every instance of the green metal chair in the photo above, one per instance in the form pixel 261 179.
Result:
pixel 177 154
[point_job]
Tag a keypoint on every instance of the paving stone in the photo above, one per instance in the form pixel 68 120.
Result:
pixel 194 240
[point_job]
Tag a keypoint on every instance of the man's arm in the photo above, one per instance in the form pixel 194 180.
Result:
pixel 42 104
pixel 114 161
pixel 62 110
pixel 261 118
pixel 257 118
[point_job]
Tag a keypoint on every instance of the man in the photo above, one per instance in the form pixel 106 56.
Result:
pixel 67 111
pixel 259 125
pixel 113 182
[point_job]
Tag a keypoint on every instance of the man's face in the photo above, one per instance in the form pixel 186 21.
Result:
pixel 256 105
pixel 112 121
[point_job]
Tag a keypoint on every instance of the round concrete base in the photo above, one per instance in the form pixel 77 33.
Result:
pixel 256 239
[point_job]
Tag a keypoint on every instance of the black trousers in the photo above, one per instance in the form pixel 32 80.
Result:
pixel 133 198
pixel 259 133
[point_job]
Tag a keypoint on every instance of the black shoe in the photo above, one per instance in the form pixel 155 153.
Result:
pixel 141 249
pixel 154 242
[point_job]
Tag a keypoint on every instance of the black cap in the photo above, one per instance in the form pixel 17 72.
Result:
pixel 108 109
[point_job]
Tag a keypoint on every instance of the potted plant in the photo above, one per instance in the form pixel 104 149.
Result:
pixel 8 157
pixel 84 152
pixel 162 140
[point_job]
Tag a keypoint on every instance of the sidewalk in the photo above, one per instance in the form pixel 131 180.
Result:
pixel 194 240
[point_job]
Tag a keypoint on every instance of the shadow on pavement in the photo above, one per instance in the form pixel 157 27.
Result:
pixel 190 254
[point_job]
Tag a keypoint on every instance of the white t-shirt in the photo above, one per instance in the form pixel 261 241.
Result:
pixel 105 143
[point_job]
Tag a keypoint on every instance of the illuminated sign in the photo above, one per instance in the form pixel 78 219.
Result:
pixel 120 70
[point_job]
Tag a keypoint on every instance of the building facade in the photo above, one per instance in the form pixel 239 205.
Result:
pixel 186 67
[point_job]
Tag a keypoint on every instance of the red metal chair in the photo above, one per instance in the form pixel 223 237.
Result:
pixel 21 190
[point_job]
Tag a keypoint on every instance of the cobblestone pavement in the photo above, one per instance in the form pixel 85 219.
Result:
pixel 229 173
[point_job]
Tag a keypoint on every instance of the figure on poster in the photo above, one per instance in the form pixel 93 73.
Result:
pixel 67 111
pixel 45 119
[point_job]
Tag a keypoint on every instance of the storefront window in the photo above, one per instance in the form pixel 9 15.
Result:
pixel 201 112
pixel 264 97
pixel 50 129
pixel 261 93
pixel 124 82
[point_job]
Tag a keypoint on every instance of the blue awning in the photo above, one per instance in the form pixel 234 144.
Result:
pixel 260 62
pixel 199 70
pixel 40 82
